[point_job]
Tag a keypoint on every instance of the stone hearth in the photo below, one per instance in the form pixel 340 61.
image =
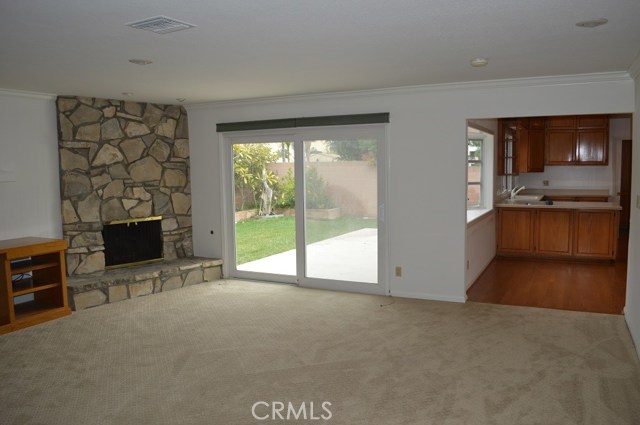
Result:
pixel 122 160
pixel 94 289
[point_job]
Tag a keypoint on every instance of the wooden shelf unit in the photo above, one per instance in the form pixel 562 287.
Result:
pixel 32 266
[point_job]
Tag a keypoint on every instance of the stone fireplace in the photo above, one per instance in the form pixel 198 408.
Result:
pixel 119 161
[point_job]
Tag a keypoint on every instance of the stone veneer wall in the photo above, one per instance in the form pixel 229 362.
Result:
pixel 121 160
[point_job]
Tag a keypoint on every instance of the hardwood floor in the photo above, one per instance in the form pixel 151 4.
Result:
pixel 563 285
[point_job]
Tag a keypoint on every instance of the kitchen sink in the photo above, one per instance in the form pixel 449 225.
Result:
pixel 527 198
pixel 526 201
pixel 523 202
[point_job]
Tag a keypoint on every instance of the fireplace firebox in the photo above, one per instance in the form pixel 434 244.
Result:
pixel 132 242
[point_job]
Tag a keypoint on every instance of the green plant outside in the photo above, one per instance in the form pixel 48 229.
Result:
pixel 286 195
pixel 250 172
pixel 261 237
pixel 316 196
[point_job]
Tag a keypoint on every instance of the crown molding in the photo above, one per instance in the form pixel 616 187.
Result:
pixel 634 70
pixel 472 85
pixel 27 94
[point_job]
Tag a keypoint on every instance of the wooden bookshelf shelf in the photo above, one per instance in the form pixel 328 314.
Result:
pixel 31 267
pixel 36 267
pixel 31 289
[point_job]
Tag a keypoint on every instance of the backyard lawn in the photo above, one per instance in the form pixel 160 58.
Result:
pixel 261 237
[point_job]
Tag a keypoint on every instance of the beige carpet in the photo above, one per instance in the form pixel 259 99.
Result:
pixel 205 354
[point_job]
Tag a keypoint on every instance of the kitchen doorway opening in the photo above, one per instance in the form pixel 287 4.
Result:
pixel 587 186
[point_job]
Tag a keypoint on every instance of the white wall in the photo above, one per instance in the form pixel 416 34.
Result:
pixel 30 205
pixel 619 130
pixel 588 176
pixel 427 158
pixel 480 247
pixel 632 307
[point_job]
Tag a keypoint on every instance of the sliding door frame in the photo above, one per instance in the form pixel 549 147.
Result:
pixel 228 195
pixel 298 136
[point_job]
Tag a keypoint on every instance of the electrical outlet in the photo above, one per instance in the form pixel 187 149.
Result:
pixel 398 271
pixel 467 264
pixel 545 182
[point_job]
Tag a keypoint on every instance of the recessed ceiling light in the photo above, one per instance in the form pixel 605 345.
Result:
pixel 479 62
pixel 140 61
pixel 181 99
pixel 127 93
pixel 592 23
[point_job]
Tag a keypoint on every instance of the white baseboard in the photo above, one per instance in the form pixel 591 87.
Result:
pixel 431 297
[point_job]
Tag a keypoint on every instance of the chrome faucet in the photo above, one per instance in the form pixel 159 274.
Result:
pixel 515 191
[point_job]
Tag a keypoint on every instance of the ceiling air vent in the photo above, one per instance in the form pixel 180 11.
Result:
pixel 161 25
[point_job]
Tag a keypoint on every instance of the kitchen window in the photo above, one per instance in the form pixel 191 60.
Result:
pixel 480 168
pixel 474 172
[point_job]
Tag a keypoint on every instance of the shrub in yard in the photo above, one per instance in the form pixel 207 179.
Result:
pixel 249 168
pixel 316 190
pixel 285 192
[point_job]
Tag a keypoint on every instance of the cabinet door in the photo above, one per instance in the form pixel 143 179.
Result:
pixel 536 151
pixel 553 232
pixel 522 149
pixel 564 121
pixel 595 234
pixel 506 148
pixel 536 122
pixel 515 230
pixel 592 147
pixel 560 147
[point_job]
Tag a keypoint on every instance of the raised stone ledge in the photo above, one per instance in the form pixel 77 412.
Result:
pixel 94 289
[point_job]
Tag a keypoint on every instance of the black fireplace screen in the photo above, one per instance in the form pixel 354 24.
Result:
pixel 135 241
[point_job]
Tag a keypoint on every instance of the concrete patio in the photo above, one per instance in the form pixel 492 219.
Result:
pixel 350 257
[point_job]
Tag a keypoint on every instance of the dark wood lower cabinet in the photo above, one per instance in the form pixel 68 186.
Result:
pixel 596 234
pixel 557 233
pixel 515 230
pixel 553 232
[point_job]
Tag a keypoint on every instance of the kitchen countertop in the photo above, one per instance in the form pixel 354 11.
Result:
pixel 560 205
pixel 565 192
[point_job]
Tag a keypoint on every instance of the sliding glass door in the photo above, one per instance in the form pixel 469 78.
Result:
pixel 263 207
pixel 306 207
pixel 340 210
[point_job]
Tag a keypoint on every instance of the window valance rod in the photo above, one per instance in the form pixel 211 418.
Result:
pixel 378 118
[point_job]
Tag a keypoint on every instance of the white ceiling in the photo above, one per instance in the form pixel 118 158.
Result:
pixel 260 48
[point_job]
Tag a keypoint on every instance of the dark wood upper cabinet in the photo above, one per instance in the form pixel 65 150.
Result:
pixel 561 122
pixel 577 140
pixel 506 148
pixel 560 147
pixel 526 145
pixel 592 146
pixel 535 156
pixel 593 121
pixel 521 145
